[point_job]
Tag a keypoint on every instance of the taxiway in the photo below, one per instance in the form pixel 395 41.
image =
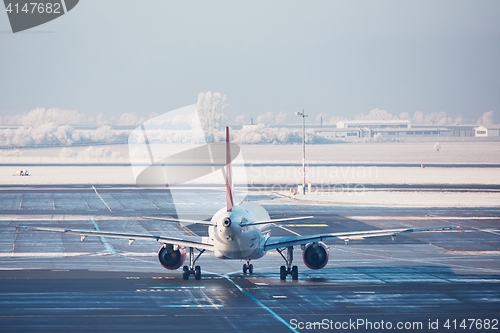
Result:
pixel 55 282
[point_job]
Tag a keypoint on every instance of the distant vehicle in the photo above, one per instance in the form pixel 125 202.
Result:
pixel 22 173
pixel 241 232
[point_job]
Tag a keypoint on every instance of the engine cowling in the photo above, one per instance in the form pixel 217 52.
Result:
pixel 315 255
pixel 171 256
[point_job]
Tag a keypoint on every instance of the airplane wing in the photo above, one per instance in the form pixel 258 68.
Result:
pixel 178 220
pixel 286 219
pixel 284 241
pixel 189 241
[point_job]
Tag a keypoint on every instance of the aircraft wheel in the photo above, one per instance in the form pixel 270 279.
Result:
pixel 197 273
pixel 245 268
pixel 295 273
pixel 283 273
pixel 185 273
pixel 250 269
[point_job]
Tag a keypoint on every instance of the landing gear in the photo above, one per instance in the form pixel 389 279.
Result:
pixel 295 273
pixel 197 273
pixel 192 269
pixel 247 267
pixel 283 273
pixel 288 269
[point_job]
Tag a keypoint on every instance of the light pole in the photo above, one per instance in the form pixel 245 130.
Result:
pixel 303 115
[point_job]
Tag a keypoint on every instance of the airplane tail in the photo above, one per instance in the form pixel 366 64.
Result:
pixel 229 175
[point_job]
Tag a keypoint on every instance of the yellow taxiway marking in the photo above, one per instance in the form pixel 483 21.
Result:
pixel 290 231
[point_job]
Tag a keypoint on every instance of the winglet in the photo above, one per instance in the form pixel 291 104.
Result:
pixel 229 174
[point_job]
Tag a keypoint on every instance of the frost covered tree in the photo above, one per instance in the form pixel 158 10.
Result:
pixel 103 134
pixel 439 119
pixel 375 114
pixel 130 119
pixel 280 118
pixel 240 120
pixel 265 118
pixel 419 117
pixel 40 116
pixel 458 121
pixel 210 107
pixel 486 119
pixel 404 116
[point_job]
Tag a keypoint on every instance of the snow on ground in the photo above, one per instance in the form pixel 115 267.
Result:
pixel 400 198
pixel 46 175
pixel 284 176
pixel 373 175
pixel 91 170
pixel 382 152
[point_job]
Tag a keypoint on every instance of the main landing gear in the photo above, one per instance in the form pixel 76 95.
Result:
pixel 288 269
pixel 247 267
pixel 192 269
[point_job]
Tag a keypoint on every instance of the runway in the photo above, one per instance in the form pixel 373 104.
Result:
pixel 54 282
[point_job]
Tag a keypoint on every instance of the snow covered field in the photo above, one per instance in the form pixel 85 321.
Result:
pixel 392 152
pixel 88 164
pixel 383 152
pixel 89 169
pixel 370 197
pixel 96 174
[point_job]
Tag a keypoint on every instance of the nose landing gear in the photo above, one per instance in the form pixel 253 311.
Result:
pixel 247 267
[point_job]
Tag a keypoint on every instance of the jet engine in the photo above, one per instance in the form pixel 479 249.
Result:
pixel 171 256
pixel 315 255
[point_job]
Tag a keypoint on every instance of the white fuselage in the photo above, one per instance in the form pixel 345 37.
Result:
pixel 235 241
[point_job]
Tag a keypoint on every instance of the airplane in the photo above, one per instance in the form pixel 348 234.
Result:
pixel 241 232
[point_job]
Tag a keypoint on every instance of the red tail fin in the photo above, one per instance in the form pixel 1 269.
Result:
pixel 229 175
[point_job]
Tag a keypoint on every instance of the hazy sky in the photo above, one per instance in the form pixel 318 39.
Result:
pixel 338 57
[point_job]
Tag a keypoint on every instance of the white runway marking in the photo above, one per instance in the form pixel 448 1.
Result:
pixel 429 217
pixel 104 202
pixel 259 303
pixel 490 231
pixel 430 261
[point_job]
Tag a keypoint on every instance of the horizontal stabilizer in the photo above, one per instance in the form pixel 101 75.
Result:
pixel 286 219
pixel 178 220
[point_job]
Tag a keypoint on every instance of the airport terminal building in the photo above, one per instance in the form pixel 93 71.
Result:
pixel 403 130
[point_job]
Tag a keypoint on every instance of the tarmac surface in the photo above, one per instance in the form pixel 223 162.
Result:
pixel 54 282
